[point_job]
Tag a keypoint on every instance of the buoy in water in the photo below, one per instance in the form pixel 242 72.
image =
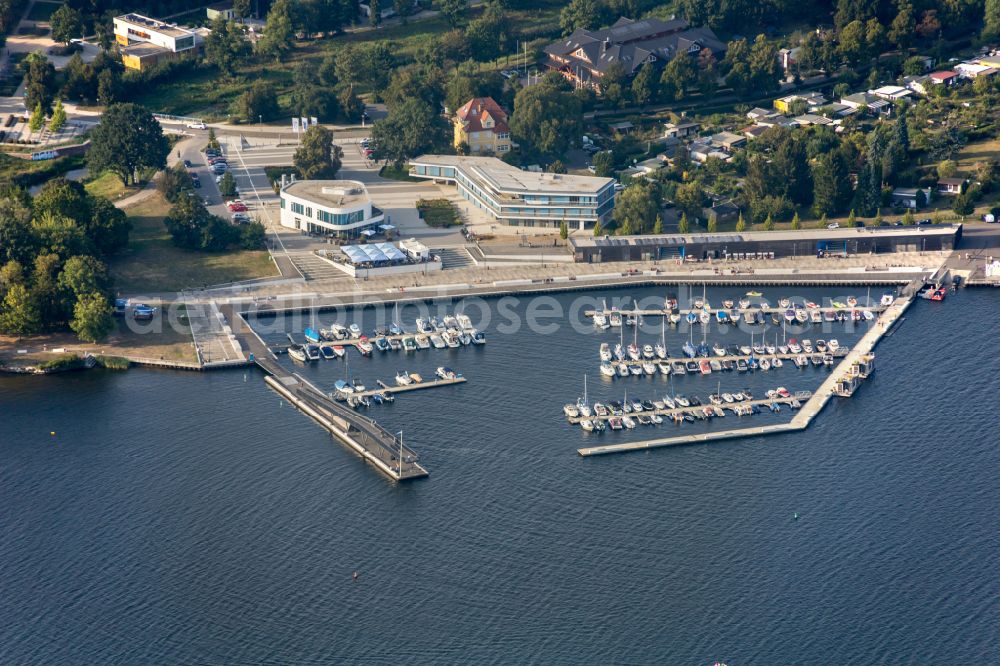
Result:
pixel 796 516
pixel 355 576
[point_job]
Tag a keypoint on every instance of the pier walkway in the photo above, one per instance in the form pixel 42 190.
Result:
pixel 374 443
pixel 809 410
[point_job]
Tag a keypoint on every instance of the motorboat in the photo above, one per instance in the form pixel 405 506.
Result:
pixel 478 338
pixel 677 368
pixel 765 364
pixel 615 423
pixel 827 359
pixel 816 360
pixel 789 315
pixel 704 317
pixel 829 316
pixel 721 317
pixel 656 419
pixel 648 352
pixel 794 347
pixel 705 367
pixel 451 322
pixel 727 366
pixel 451 339
pixel 807 346
pixel 343 387
pixel 661 350
pixel 409 344
pixel 424 326
pixel 689 350
pixel 644 419
pixel 587 425
pixel 445 373
pixel 366 348
pixel 821 346
pixel 601 321
pixel 605 351
pixel 887 299
pixel 423 342
pixel 810 305
pixel 669 403
pixel 312 335
pixel 464 322
pixel 633 352
pixel 784 303
pixel 637 406
pixel 816 317
pixel 728 304
pixel 745 350
pixel 868 315
pixel 339 351
pixel 664 367
pixel 465 338
pixel 381 344
pixel 297 352
pixel 703 350
pixel 755 294
pixel 744 303
pixel 635 369
pixel 693 367
pixel 727 398
pixel 776 318
pixel 327 352
pixel 608 370
pixel 623 370
pixel 355 330
pixel 615 318
pixel 416 378
pixel 313 353
pixel 682 401
pixel 833 345
pixel 801 361
pixel 758 349
pixel 741 365
pixel 718 349
pixel 691 317
pixel 395 344
pixel 570 410
pixel 801 316
pixel 770 349
pixel 749 318
pixel 675 318
pixel 403 379
pixel 649 367
pixel 601 409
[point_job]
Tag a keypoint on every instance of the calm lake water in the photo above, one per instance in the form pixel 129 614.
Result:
pixel 195 518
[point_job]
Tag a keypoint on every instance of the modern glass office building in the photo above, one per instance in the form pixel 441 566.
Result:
pixel 329 207
pixel 522 198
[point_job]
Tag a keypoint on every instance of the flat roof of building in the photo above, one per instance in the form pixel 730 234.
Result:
pixel 161 27
pixel 843 234
pixel 507 178
pixel 329 193
pixel 143 50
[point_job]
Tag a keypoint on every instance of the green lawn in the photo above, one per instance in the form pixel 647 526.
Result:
pixel 207 94
pixel 152 263
pixel 392 172
pixel 109 186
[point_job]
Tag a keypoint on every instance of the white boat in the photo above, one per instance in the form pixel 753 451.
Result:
pixel 450 322
pixel 705 318
pixel 297 352
pixel 765 364
pixel 669 403
pixel 608 370
pixel 416 378
pixel 887 299
pixel 635 369
pixel 649 367
pixel 464 322
pixel 338 331
pixel 622 370
pixel 633 352
pixel 664 368
pixel 581 403
pixel 776 362
pixel 647 351
pixel 445 373
pixel 660 350
pixel 451 339
pixel 587 425
pixel 403 379
pixel 656 419
pixel 675 318
pixel 423 342
pixel 615 318
pixel 600 321
pixel 355 330
pixel 438 342
pixel 833 345
pixel 570 410
pixel 628 422
pixel 605 351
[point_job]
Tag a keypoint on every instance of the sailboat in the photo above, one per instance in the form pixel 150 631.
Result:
pixel 581 403
pixel 661 348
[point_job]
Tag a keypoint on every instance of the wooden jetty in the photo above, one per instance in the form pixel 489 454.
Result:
pixel 662 312
pixel 810 409
pixel 371 441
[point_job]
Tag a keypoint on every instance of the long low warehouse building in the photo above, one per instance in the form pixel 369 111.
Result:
pixel 766 244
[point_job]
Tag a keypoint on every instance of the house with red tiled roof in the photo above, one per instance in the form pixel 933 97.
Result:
pixel 481 125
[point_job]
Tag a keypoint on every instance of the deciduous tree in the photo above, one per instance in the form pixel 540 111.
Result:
pixel 317 158
pixel 127 139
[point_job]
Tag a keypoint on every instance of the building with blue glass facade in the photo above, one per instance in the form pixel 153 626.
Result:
pixel 522 198
pixel 329 207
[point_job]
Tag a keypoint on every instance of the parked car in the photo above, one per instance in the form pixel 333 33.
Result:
pixel 240 218
pixel 926 220
pixel 216 160
pixel 220 168
pixel 197 126
pixel 187 164
pixel 212 152
pixel 833 225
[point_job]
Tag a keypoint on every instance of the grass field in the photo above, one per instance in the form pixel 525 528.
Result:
pixel 109 186
pixel 205 93
pixel 153 265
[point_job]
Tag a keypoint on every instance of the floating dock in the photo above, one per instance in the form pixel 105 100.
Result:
pixel 433 383
pixel 860 354
pixel 731 407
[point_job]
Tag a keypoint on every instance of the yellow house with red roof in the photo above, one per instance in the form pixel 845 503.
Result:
pixel 481 125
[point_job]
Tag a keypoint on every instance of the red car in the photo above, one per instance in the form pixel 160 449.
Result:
pixel 238 208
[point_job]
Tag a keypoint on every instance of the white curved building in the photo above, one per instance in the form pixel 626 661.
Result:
pixel 329 207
